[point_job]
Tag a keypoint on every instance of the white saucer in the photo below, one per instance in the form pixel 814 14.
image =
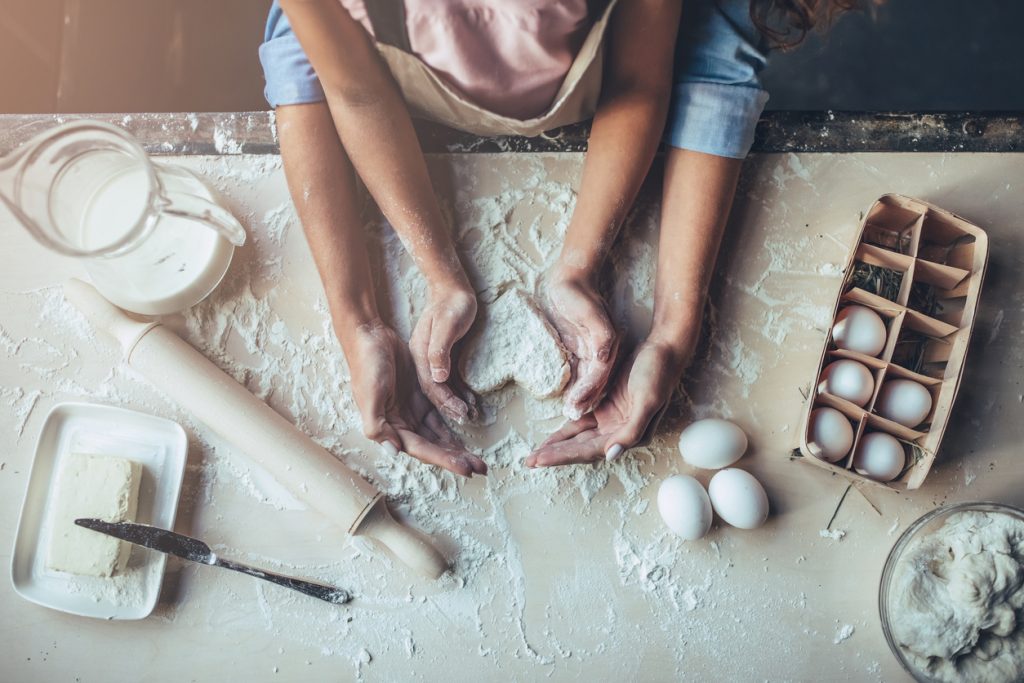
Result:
pixel 161 447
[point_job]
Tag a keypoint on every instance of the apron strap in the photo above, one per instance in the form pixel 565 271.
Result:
pixel 388 20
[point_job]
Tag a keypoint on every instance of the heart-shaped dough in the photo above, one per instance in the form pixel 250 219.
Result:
pixel 513 342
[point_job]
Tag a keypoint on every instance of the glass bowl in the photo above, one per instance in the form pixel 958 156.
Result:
pixel 928 524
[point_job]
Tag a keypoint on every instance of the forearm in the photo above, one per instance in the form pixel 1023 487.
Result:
pixel 323 189
pixel 697 195
pixel 383 147
pixel 626 130
pixel 623 140
pixel 373 122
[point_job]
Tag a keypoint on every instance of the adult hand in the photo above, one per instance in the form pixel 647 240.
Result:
pixel 394 411
pixel 445 321
pixel 625 417
pixel 579 315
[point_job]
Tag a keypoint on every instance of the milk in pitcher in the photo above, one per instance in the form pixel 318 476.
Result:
pixel 179 262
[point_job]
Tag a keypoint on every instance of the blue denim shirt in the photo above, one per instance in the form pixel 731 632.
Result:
pixel 716 96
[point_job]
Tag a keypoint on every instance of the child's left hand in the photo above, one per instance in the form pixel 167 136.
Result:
pixel 625 417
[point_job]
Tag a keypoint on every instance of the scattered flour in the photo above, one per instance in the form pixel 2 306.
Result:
pixel 126 589
pixel 895 527
pixel 997 324
pixel 843 634
pixel 834 534
pixel 969 476
pixel 224 142
pixel 797 167
pixel 291 359
pixel 21 403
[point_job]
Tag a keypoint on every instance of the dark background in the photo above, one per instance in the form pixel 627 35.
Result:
pixel 200 55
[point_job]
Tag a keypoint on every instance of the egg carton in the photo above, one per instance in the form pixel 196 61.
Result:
pixel 926 266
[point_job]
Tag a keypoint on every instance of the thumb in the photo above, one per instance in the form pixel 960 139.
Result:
pixel 387 436
pixel 447 328
pixel 632 432
pixel 376 427
pixel 601 337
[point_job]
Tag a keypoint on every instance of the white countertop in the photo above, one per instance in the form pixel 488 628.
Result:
pixel 557 574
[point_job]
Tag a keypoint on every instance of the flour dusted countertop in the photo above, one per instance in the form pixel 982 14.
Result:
pixel 558 573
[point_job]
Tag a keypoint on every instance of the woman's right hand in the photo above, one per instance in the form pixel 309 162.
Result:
pixel 395 413
pixel 579 315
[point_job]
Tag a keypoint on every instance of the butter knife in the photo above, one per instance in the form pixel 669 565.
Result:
pixel 194 550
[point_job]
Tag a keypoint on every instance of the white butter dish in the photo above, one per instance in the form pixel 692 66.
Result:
pixel 160 447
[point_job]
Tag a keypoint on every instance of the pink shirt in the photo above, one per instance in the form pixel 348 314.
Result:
pixel 509 57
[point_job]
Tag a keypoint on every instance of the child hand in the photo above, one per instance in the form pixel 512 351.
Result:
pixel 625 418
pixel 446 320
pixel 579 314
pixel 394 411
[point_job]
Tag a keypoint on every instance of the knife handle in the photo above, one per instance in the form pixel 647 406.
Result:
pixel 337 596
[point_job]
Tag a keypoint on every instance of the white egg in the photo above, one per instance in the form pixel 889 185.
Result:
pixel 738 498
pixel 847 379
pixel 879 456
pixel 685 507
pixel 904 401
pixel 829 434
pixel 858 328
pixel 712 444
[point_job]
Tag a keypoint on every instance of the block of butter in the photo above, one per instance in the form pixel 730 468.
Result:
pixel 100 486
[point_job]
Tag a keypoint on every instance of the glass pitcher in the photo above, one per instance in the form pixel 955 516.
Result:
pixel 151 235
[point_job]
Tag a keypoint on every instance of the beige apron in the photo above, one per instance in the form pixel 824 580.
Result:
pixel 431 98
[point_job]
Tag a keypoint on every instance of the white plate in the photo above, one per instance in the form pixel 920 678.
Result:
pixel 161 447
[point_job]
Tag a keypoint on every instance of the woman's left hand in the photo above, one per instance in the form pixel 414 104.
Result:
pixel 626 415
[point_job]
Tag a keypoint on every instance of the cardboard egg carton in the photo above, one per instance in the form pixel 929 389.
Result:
pixel 927 295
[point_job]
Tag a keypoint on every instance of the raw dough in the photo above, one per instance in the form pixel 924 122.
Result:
pixel 514 342
pixel 958 599
pixel 97 486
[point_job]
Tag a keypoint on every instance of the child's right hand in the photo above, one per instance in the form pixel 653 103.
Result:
pixel 394 411
pixel 446 320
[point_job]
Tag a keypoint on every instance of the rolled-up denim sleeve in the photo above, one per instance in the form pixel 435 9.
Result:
pixel 290 78
pixel 717 96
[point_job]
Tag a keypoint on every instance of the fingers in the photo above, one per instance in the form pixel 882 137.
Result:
pixel 634 429
pixel 442 435
pixel 431 346
pixel 597 345
pixel 583 448
pixel 588 388
pixel 375 425
pixel 601 338
pixel 454 460
pixel 571 429
pixel 444 398
pixel 478 465
pixel 425 434
pixel 383 433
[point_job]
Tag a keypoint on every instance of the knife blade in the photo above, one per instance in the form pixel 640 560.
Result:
pixel 194 550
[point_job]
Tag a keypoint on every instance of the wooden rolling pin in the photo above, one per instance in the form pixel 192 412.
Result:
pixel 308 471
